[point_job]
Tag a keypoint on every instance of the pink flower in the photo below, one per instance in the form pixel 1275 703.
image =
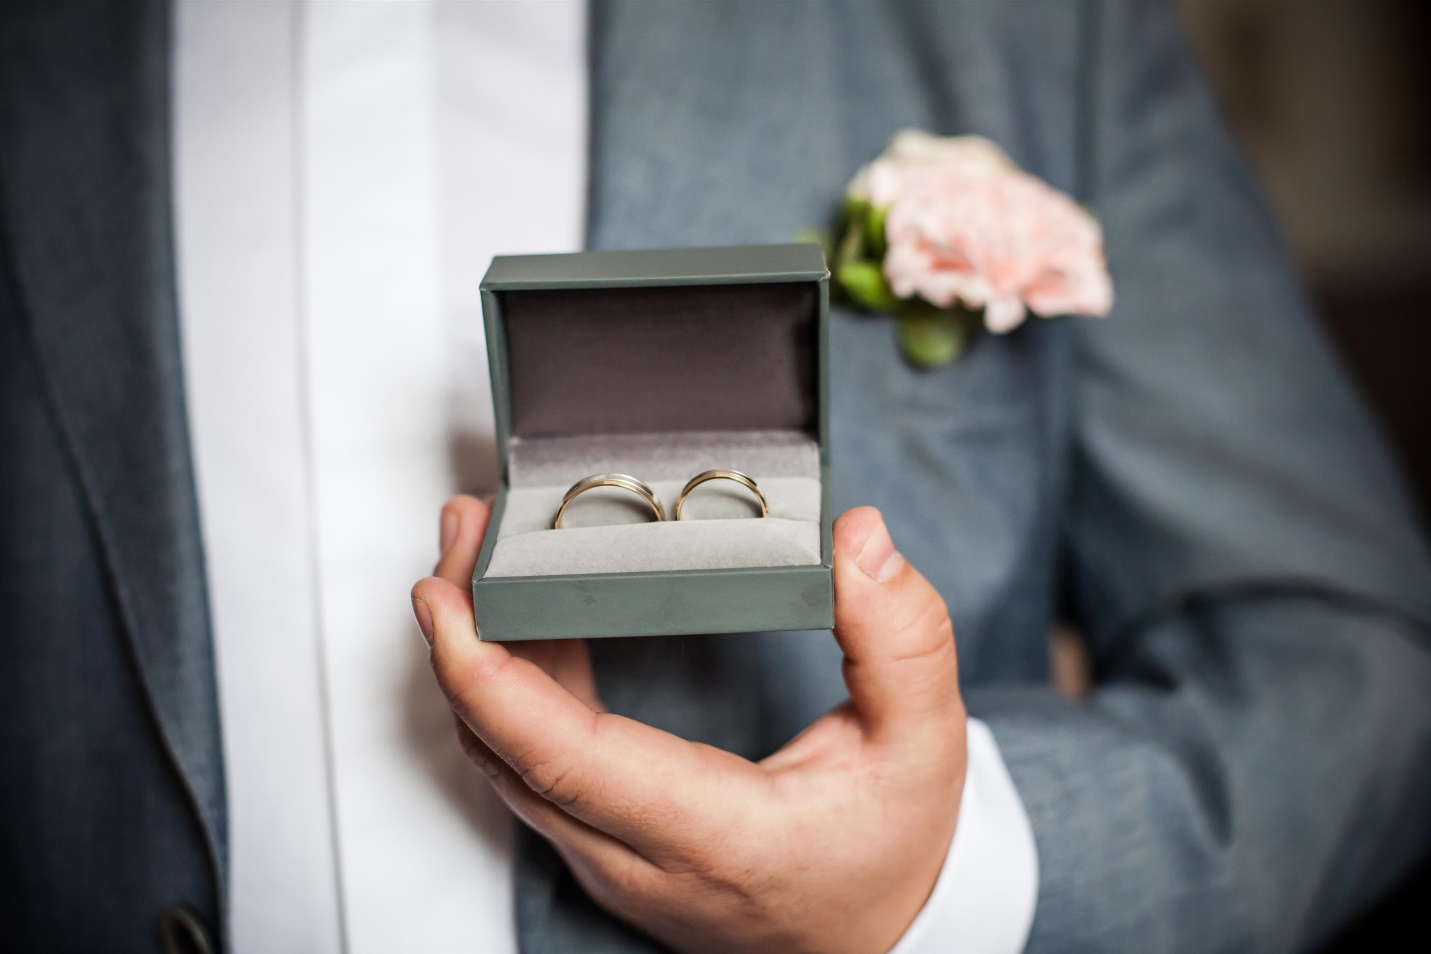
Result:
pixel 912 151
pixel 964 228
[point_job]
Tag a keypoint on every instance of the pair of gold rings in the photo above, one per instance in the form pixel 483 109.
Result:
pixel 640 489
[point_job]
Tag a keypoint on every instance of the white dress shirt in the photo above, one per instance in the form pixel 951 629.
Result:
pixel 344 172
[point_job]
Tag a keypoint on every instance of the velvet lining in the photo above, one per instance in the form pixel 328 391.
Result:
pixel 647 547
pixel 670 358
pixel 551 461
pixel 609 530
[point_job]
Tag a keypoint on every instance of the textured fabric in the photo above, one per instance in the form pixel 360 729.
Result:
pixel 630 360
pixel 1191 481
pixel 233 135
pixel 529 510
pixel 343 172
pixel 612 530
pixel 619 538
pixel 792 499
pixel 112 802
pixel 670 455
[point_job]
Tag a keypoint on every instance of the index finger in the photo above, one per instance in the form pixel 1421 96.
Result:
pixel 653 790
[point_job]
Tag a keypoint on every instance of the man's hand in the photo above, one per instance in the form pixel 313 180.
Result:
pixel 832 844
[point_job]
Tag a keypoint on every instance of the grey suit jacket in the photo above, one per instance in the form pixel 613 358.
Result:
pixel 1192 482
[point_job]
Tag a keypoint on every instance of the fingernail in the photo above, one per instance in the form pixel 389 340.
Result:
pixel 424 618
pixel 878 558
pixel 448 531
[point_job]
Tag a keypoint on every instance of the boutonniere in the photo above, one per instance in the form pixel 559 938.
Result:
pixel 952 238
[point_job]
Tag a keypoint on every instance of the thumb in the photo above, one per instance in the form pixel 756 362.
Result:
pixel 900 663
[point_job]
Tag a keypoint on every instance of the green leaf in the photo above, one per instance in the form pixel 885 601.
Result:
pixel 864 283
pixel 853 210
pixel 851 247
pixel 930 337
pixel 874 231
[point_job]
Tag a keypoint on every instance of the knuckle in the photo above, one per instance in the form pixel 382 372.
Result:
pixel 552 780
pixel 626 880
pixel 698 860
pixel 925 630
pixel 743 886
pixel 713 861
pixel 557 775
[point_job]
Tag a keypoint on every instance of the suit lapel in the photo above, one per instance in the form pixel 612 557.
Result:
pixel 84 191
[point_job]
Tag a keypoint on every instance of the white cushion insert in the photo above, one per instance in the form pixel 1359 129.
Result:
pixel 609 530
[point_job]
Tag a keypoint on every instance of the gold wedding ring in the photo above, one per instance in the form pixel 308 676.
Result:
pixel 734 475
pixel 624 481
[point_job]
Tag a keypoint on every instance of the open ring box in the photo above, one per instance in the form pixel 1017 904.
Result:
pixel 658 364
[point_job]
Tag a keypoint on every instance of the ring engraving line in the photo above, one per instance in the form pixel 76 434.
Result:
pixel 735 475
pixel 624 481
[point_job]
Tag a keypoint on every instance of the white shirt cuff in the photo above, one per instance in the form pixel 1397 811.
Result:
pixel 983 902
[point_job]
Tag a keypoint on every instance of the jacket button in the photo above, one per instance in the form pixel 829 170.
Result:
pixel 182 932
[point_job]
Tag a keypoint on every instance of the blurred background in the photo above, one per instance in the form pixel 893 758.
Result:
pixel 1331 101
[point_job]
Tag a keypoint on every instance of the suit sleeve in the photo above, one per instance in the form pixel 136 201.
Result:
pixel 1253 765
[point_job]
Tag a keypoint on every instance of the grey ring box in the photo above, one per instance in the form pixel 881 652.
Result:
pixel 659 364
